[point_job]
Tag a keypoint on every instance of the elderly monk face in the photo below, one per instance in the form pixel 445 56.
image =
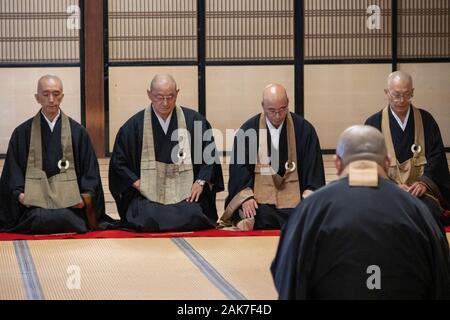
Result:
pixel 399 94
pixel 163 95
pixel 275 104
pixel 49 95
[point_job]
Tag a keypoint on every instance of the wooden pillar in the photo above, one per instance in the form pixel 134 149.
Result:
pixel 299 56
pixel 93 74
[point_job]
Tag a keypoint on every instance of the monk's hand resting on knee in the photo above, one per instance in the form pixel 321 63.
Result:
pixel 79 205
pixel 417 189
pixel 22 199
pixel 404 187
pixel 196 191
pixel 249 208
pixel 137 185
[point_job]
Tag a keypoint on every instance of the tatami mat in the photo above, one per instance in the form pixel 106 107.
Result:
pixel 119 269
pixel 151 268
pixel 201 268
pixel 11 285
pixel 244 262
pixel 142 268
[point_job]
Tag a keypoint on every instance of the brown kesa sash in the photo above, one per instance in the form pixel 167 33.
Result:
pixel 412 169
pixel 269 187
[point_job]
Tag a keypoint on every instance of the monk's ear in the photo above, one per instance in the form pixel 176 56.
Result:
pixel 338 164
pixel 36 96
pixel 149 94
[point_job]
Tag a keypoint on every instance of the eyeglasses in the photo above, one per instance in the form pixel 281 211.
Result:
pixel 54 94
pixel 160 98
pixel 398 96
pixel 281 111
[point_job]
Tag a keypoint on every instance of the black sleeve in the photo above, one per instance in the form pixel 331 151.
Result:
pixel 293 262
pixel 242 165
pixel 13 175
pixel 311 166
pixel 121 175
pixel 436 168
pixel 210 168
pixel 374 121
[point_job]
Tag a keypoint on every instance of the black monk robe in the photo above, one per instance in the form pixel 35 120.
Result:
pixel 18 218
pixel 141 214
pixel 436 169
pixel 309 164
pixel 347 242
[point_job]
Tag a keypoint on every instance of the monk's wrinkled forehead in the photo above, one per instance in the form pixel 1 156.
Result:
pixel 49 81
pixel 399 78
pixel 163 81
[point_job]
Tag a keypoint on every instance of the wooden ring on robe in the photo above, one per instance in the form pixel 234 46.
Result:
pixel 416 149
pixel 66 164
pixel 290 169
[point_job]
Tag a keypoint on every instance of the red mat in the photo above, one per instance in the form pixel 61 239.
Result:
pixel 126 234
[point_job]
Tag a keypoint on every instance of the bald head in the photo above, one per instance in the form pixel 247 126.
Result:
pixel 163 80
pixel 49 79
pixel 275 104
pixel 274 92
pixel 399 92
pixel 399 77
pixel 163 94
pixel 49 95
pixel 361 142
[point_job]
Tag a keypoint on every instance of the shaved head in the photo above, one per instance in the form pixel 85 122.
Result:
pixel 49 78
pixel 163 94
pixel 361 142
pixel 275 104
pixel 399 77
pixel 49 95
pixel 274 92
pixel 399 93
pixel 163 80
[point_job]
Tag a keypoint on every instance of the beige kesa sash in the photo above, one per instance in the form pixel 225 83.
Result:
pixel 412 169
pixel 166 183
pixel 269 187
pixel 61 190
pixel 363 173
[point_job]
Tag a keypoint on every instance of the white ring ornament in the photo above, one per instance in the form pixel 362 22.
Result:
pixel 416 149
pixel 66 166
pixel 290 169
